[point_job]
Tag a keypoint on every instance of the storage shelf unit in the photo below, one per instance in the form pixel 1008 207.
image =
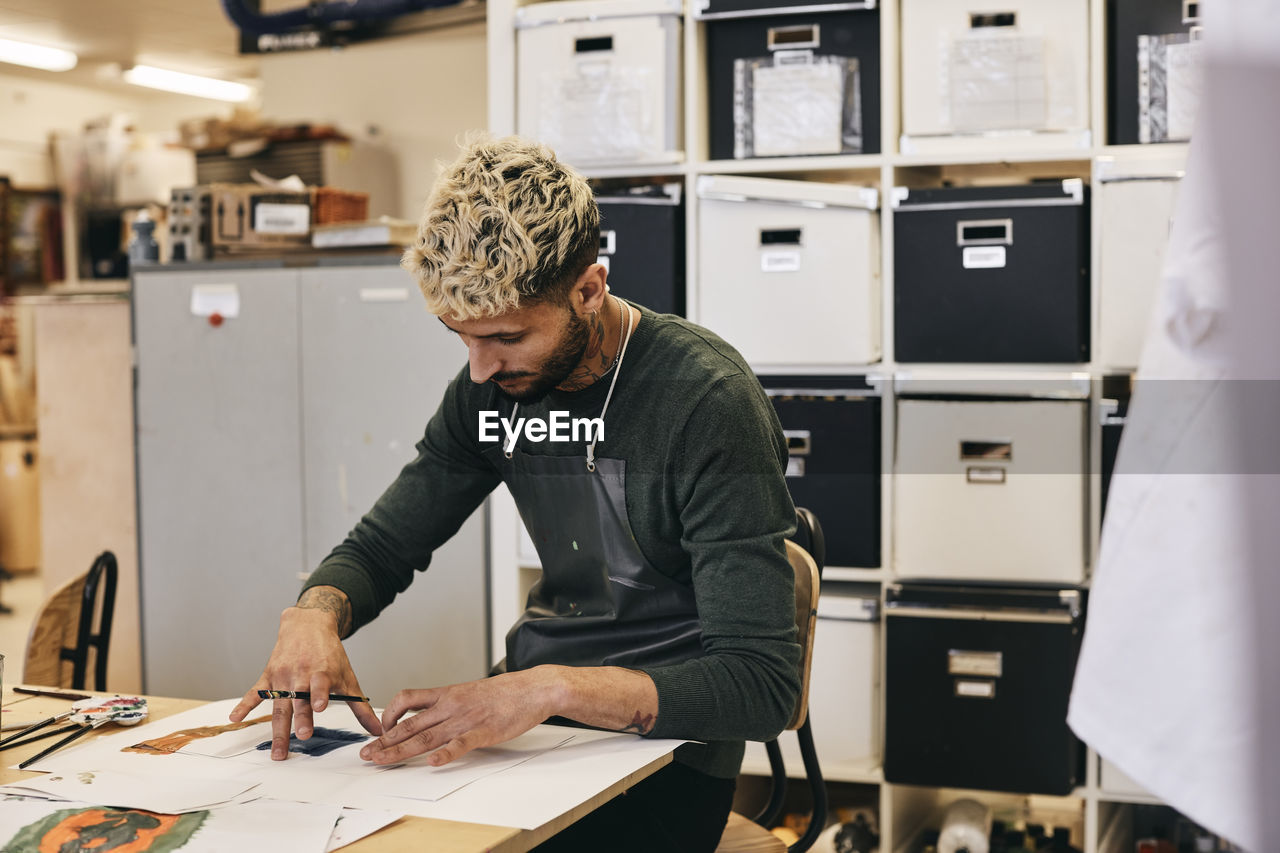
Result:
pixel 904 810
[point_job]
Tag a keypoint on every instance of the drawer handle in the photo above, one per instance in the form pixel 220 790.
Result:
pixel 780 236
pixel 987 450
pixel 984 232
pixel 799 442
pixel 596 44
pixel 983 20
pixel 794 38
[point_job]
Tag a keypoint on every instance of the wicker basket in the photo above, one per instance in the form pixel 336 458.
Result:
pixel 330 205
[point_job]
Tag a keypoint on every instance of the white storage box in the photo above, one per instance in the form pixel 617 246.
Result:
pixel 789 271
pixel 990 488
pixel 1019 72
pixel 599 80
pixel 844 685
pixel 1134 202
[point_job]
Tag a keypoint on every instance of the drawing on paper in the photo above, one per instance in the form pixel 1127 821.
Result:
pixel 98 829
pixel 322 742
pixel 171 743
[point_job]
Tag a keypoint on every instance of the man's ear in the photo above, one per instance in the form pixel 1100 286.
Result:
pixel 590 289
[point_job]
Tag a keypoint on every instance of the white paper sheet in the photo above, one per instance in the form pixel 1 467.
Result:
pixel 599 112
pixel 1184 72
pixel 996 82
pixel 539 790
pixel 169 794
pixel 797 108
pixel 355 824
pixel 408 780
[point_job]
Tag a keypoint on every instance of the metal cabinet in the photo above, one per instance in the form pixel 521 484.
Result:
pixel 264 433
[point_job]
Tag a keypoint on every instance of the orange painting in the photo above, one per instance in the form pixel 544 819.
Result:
pixel 171 743
pixel 99 829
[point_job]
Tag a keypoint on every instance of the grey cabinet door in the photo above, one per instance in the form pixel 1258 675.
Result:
pixel 219 477
pixel 375 365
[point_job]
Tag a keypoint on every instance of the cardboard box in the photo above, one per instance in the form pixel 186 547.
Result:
pixel 247 216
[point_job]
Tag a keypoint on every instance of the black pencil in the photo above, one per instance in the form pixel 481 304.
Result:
pixel 306 694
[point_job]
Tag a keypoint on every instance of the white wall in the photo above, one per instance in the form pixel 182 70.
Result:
pixel 31 108
pixel 420 92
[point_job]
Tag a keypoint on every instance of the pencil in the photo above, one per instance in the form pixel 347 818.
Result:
pixel 56 694
pixel 306 694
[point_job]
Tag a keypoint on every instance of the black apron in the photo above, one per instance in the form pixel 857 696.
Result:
pixel 599 602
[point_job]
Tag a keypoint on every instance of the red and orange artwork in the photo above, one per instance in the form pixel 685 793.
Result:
pixel 171 743
pixel 99 829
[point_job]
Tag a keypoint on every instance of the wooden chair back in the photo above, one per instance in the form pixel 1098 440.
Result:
pixel 750 835
pixel 63 635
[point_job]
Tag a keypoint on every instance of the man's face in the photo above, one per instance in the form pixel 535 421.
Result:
pixel 526 352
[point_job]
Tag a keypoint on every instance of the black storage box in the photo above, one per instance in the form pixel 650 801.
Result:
pixel 642 243
pixel 779 33
pixel 1127 20
pixel 977 679
pixel 832 424
pixel 992 274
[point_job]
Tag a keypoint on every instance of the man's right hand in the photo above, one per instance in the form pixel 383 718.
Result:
pixel 308 656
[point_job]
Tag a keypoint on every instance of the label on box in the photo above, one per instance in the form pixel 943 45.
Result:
pixel 780 261
pixel 976 689
pixel 220 299
pixel 274 218
pixel 984 257
pixel 988 664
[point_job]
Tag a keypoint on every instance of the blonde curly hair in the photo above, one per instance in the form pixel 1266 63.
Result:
pixel 506 223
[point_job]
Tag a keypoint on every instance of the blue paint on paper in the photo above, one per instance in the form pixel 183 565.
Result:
pixel 322 742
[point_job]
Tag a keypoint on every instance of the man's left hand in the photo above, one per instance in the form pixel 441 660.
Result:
pixel 456 719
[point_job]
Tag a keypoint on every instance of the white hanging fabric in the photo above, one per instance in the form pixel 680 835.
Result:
pixel 1178 675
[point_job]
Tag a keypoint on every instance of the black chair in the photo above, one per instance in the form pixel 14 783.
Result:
pixel 62 634
pixel 806 551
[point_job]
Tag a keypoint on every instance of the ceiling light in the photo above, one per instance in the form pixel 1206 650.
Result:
pixel 188 84
pixel 36 55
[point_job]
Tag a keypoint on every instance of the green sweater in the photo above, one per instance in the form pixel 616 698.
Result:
pixel 708 506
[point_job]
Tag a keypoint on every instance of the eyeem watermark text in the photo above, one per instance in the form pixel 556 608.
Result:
pixel 557 426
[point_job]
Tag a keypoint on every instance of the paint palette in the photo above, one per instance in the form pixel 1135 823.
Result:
pixel 124 710
pixel 87 715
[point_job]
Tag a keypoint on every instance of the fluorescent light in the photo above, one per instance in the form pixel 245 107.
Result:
pixel 187 84
pixel 36 55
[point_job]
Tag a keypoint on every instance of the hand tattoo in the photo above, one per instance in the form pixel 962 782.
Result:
pixel 640 724
pixel 331 601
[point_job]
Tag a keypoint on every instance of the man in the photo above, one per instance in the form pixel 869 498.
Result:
pixel 666 604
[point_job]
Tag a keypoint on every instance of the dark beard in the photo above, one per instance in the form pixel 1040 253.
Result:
pixel 556 369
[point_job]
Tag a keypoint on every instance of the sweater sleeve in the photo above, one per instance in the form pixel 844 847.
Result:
pixel 422 508
pixel 736 513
